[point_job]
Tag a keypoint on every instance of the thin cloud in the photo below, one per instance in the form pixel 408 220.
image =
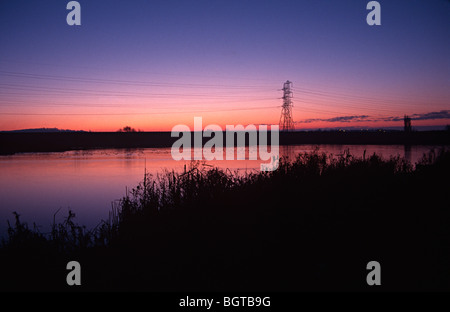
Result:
pixel 443 114
pixel 357 118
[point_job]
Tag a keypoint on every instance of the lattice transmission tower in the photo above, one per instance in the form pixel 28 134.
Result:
pixel 286 121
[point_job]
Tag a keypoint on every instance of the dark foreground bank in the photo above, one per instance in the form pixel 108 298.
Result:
pixel 313 224
pixel 11 143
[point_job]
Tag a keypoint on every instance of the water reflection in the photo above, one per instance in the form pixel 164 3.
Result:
pixel 407 152
pixel 287 152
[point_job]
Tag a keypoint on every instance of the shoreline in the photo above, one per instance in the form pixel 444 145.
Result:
pixel 12 143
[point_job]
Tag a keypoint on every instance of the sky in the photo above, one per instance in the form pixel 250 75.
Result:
pixel 155 64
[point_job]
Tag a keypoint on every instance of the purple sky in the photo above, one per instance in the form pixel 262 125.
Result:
pixel 155 64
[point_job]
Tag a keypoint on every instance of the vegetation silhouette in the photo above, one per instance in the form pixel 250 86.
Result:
pixel 127 129
pixel 313 224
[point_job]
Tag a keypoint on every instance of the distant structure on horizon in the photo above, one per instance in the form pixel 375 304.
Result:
pixel 407 121
pixel 286 120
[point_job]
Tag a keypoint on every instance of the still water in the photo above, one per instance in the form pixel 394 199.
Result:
pixel 36 185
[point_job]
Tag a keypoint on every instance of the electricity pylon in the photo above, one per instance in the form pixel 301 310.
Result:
pixel 286 121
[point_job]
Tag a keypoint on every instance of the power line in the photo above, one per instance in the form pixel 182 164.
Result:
pixel 137 113
pixel 103 69
pixel 121 82
pixel 88 92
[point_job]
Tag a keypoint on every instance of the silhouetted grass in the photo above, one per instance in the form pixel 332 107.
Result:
pixel 313 224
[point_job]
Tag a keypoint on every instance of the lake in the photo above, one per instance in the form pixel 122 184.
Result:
pixel 36 185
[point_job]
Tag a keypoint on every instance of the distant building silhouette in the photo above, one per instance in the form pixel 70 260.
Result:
pixel 407 121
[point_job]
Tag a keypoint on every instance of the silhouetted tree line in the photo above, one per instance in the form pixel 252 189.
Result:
pixel 127 129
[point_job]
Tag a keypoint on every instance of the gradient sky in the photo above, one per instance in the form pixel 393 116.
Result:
pixel 155 64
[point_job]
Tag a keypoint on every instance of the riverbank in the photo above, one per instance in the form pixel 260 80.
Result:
pixel 11 143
